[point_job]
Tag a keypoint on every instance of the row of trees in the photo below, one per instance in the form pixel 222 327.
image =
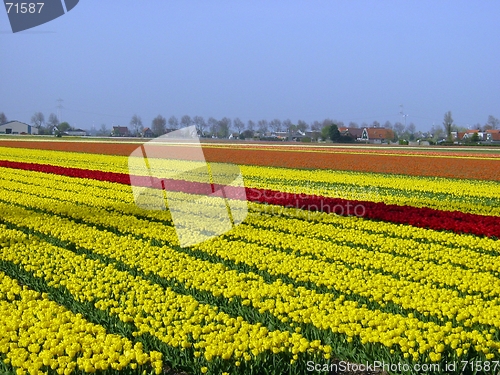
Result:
pixel 219 128
pixel 450 126
pixel 52 126
pixel 224 127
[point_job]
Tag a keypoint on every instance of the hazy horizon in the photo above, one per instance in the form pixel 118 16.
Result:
pixel 348 61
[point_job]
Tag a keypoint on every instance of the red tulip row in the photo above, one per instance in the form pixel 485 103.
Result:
pixel 423 217
pixel 458 222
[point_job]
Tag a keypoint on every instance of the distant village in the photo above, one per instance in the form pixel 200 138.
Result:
pixel 327 131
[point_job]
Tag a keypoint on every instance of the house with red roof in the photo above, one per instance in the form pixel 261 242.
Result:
pixel 371 135
pixel 147 133
pixel 377 135
pixel 355 133
pixel 468 134
pixel 493 135
pixel 120 131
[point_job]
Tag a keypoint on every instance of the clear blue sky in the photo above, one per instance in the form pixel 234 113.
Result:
pixel 346 60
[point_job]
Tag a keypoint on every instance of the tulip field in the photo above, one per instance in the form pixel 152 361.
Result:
pixel 347 255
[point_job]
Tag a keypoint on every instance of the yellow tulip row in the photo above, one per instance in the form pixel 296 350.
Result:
pixel 470 252
pixel 464 243
pixel 119 197
pixel 284 300
pixel 434 192
pixel 116 196
pixel 413 275
pixel 375 253
pixel 466 281
pixel 171 317
pixel 454 241
pixel 37 334
pixel 108 163
pixel 101 194
pixel 113 163
pixel 420 295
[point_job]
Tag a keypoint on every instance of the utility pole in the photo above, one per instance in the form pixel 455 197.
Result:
pixel 59 107
pixel 401 112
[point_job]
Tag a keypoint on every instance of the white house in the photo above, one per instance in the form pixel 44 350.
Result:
pixel 17 127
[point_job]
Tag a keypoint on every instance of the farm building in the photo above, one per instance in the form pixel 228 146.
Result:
pixel 76 132
pixel 376 135
pixel 17 127
pixel 120 131
pixel 493 135
pixel 371 135
pixel 147 133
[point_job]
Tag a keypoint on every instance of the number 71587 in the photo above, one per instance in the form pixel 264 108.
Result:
pixel 24 7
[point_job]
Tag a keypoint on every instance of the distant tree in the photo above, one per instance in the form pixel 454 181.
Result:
pixel 136 125
pixel 375 124
pixel 287 125
pixel 213 125
pixel 492 123
pixel 200 124
pixel 387 125
pixel 325 132
pixel 103 130
pixel 275 125
pixel 251 125
pixel 263 126
pixel 302 125
pixel 224 127
pixel 410 131
pixel 61 128
pixel 326 122
pixel 52 123
pixel 238 124
pixel 3 118
pixel 475 138
pixel 316 126
pixel 398 129
pixel 173 123
pixel 247 134
pixel 364 124
pixel 38 119
pixel 448 124
pixel 334 133
pixel 158 125
pixel 340 124
pixel 353 125
pixel 186 121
